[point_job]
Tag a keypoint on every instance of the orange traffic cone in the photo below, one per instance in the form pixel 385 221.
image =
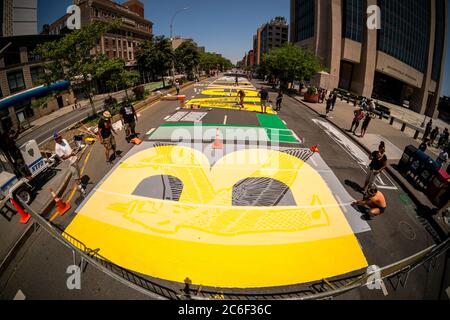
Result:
pixel 62 207
pixel 218 144
pixel 182 100
pixel 315 148
pixel 25 216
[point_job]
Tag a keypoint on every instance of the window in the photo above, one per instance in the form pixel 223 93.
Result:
pixel 15 81
pixel 305 19
pixel 353 19
pixel 439 40
pixel 12 57
pixel 36 74
pixel 405 32
pixel 129 56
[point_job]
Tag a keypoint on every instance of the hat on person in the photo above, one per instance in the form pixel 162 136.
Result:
pixel 56 135
pixel 107 115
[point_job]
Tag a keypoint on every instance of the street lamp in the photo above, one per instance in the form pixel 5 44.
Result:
pixel 171 39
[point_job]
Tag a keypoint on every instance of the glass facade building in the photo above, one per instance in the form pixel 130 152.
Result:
pixel 305 19
pixel 440 40
pixel 405 31
pixel 353 19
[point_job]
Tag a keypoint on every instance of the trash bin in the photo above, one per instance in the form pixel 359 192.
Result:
pixel 417 163
pixel 438 187
pixel 405 161
pixel 429 171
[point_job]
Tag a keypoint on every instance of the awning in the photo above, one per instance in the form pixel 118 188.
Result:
pixel 32 93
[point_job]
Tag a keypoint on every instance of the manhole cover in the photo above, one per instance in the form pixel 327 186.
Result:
pixel 407 230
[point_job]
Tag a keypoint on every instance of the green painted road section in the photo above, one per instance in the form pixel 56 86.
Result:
pixel 276 129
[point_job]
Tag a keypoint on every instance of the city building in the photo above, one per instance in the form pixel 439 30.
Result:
pixel 401 63
pixel 20 72
pixel 18 17
pixel 250 58
pixel 121 44
pixel 178 41
pixel 271 35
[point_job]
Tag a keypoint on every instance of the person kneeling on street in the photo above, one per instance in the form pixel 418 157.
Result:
pixel 374 200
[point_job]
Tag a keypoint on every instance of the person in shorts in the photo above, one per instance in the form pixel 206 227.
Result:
pixel 377 166
pixel 264 95
pixel 375 201
pixel 69 157
pixel 129 120
pixel 241 95
pixel 106 134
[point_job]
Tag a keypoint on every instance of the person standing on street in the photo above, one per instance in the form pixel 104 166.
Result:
pixel 328 106
pixel 70 159
pixel 106 135
pixel 264 95
pixel 366 123
pixel 129 120
pixel 333 100
pixel 433 136
pixel 377 166
pixel 177 86
pixel 279 100
pixel 358 116
pixel 428 130
pixel 442 158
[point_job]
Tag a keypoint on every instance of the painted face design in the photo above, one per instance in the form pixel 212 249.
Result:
pixel 206 226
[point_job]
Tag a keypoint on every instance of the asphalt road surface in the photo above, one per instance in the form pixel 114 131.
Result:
pixel 46 131
pixel 39 270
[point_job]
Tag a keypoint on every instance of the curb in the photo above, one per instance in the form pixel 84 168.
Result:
pixel 49 205
pixel 418 198
pixel 32 227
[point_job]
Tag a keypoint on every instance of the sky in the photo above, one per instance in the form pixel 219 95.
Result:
pixel 225 27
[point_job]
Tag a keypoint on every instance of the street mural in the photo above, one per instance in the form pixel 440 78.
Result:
pixel 254 218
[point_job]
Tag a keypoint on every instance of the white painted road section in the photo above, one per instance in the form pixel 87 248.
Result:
pixel 383 182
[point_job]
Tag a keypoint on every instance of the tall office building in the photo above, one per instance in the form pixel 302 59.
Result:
pixel 18 17
pixel 402 61
pixel 269 36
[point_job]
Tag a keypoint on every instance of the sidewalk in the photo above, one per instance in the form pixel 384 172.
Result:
pixel 395 140
pixel 379 130
pixel 12 233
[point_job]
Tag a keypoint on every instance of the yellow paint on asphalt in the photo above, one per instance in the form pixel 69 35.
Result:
pixel 250 104
pixel 207 239
pixel 228 92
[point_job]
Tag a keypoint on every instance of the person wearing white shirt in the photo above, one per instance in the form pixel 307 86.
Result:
pixel 66 154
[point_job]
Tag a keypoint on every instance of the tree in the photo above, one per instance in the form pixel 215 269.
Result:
pixel 70 57
pixel 155 56
pixel 211 61
pixel 187 57
pixel 290 63
pixel 115 73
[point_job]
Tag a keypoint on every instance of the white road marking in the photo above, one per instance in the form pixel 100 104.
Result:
pixel 19 296
pixel 165 119
pixel 354 151
pixel 225 120
pixel 151 131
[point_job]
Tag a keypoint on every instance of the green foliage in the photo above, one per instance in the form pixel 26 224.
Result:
pixel 115 73
pixel 70 57
pixel 290 63
pixel 155 56
pixel 210 61
pixel 187 58
pixel 312 91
